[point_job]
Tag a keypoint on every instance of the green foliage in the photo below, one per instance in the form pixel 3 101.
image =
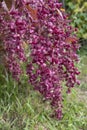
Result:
pixel 78 14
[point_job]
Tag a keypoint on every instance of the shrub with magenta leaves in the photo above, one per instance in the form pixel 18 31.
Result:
pixel 44 27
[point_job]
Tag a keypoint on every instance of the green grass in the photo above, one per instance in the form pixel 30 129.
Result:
pixel 83 74
pixel 83 67
pixel 22 108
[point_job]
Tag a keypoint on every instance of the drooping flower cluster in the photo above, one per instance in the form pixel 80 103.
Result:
pixel 44 27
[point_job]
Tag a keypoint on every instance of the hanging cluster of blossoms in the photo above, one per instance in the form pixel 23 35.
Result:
pixel 44 27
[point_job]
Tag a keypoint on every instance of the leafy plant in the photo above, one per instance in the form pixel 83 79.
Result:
pixel 78 14
pixel 44 29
